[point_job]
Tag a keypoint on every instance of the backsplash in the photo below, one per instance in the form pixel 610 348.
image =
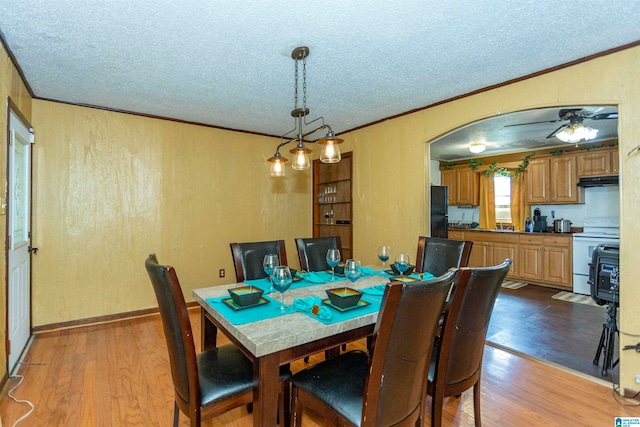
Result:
pixel 598 201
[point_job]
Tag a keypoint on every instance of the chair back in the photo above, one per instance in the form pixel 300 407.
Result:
pixel 436 255
pixel 248 258
pixel 177 330
pixel 401 350
pixel 467 322
pixel 312 252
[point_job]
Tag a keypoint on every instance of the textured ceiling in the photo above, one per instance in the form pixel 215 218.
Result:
pixel 521 131
pixel 228 63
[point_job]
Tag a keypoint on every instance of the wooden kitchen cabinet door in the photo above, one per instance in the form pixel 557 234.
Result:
pixel 463 186
pixel 594 163
pixel 448 178
pixel 537 181
pixel 480 254
pixel 468 187
pixel 502 251
pixel 531 261
pixel 564 179
pixel 557 261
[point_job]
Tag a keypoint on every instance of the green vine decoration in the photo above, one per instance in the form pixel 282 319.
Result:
pixel 556 153
pixel 474 163
pixel 448 166
pixel 494 169
pixel 506 172
pixel 523 166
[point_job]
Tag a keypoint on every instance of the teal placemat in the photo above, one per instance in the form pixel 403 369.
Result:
pixel 337 316
pixel 249 314
pixel 315 278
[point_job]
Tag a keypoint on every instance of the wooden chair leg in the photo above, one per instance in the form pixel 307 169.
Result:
pixel 284 414
pixel 436 408
pixel 296 408
pixel 476 404
pixel 176 414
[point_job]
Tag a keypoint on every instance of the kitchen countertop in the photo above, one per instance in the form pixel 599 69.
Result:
pixel 489 230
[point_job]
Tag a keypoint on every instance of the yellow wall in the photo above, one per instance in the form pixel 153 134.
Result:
pixel 391 176
pixel 11 86
pixel 109 188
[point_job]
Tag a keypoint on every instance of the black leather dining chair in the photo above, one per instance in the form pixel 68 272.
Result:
pixel 436 255
pixel 248 258
pixel 386 388
pixel 214 381
pixel 312 252
pixel 456 363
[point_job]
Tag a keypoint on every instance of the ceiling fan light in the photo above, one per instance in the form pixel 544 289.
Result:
pixel 477 147
pixel 576 133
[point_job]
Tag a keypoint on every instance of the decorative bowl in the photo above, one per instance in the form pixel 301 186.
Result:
pixel 406 273
pixel 344 297
pixel 339 269
pixel 246 295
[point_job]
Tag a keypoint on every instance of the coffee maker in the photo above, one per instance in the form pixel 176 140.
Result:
pixel 539 222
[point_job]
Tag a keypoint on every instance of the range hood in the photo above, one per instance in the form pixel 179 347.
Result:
pixel 598 181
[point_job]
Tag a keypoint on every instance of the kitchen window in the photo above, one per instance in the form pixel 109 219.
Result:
pixel 502 185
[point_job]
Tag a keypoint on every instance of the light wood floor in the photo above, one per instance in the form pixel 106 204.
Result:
pixel 117 374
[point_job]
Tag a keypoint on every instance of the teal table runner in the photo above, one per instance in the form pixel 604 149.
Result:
pixel 329 315
pixel 249 314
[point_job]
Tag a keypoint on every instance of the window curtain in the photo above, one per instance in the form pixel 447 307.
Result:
pixel 487 202
pixel 518 208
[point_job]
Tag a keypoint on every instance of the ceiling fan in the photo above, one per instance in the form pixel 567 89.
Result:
pixel 573 117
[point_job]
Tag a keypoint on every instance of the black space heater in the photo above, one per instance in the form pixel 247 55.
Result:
pixel 604 283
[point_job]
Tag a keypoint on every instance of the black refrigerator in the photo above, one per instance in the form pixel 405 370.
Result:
pixel 439 211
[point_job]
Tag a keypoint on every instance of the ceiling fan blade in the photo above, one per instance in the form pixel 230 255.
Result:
pixel 533 123
pixel 603 116
pixel 552 134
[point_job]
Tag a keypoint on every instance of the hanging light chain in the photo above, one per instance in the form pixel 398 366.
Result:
pixel 295 96
pixel 304 81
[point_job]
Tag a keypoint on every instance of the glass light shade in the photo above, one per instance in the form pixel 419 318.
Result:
pixel 576 133
pixel 300 158
pixel 330 153
pixel 477 147
pixel 277 165
pixel 277 169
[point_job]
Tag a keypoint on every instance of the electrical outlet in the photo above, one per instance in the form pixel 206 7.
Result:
pixel 221 272
pixel 637 378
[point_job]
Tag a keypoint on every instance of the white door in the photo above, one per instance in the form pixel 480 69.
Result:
pixel 19 234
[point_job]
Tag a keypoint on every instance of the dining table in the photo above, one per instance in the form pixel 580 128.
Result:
pixel 271 338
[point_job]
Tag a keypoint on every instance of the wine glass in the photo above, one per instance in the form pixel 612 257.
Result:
pixel 384 252
pixel 402 263
pixel 333 259
pixel 269 263
pixel 281 281
pixel 352 270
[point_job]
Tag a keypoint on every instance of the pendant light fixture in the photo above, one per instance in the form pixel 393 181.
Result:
pixel 330 151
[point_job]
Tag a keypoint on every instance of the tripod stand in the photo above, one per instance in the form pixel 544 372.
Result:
pixel 608 339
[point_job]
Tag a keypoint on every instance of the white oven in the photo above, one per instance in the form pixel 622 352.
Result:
pixel 596 231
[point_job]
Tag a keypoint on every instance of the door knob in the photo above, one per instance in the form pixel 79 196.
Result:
pixel 34 250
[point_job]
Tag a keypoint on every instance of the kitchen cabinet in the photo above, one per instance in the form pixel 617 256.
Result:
pixel 558 265
pixel 492 248
pixel 463 186
pixel 531 257
pixel 332 207
pixel 541 258
pixel 553 180
pixel 598 163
